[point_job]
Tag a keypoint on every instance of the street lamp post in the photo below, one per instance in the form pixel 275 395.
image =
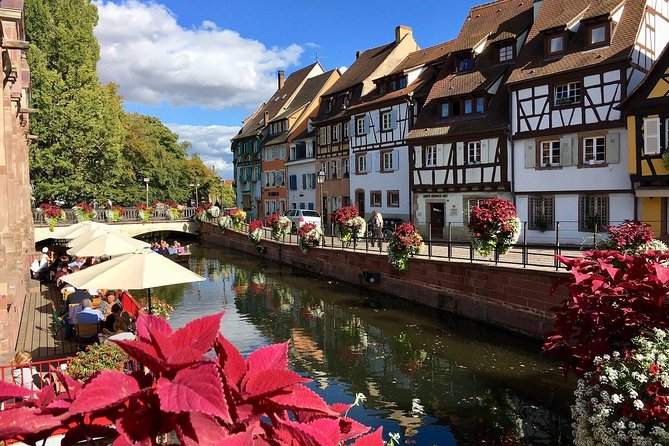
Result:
pixel 146 181
pixel 320 179
pixel 197 200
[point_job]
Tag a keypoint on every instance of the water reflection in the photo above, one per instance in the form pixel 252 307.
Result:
pixel 437 381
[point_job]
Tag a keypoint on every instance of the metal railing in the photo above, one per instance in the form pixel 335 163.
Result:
pixel 104 216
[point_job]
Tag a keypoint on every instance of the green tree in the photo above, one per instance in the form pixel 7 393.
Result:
pixel 77 154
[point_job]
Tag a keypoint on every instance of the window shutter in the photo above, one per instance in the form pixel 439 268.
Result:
pixel 313 181
pixel 485 156
pixel 393 118
pixel 566 152
pixel 368 161
pixel 304 181
pixel 292 182
pixel 651 136
pixel 351 127
pixel 396 159
pixel 418 162
pixel 367 123
pixel 259 174
pixel 530 155
pixel 460 153
pixel 376 160
pixel 613 147
pixel 440 154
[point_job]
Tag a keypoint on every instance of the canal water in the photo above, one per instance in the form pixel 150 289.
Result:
pixel 434 379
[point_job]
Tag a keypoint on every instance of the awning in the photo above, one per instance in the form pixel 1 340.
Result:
pixel 652 192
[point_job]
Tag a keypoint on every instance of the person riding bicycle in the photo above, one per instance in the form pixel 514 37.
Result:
pixel 376 225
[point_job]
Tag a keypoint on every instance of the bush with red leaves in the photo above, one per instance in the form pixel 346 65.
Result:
pixel 631 237
pixel 224 400
pixel 613 298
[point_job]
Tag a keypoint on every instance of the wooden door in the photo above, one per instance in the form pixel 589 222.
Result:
pixel 360 202
pixel 437 220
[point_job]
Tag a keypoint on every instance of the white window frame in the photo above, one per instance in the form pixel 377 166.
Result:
pixel 335 133
pixel 430 156
pixel 359 125
pixel 361 164
pixel 552 159
pixel 323 136
pixel 387 160
pixel 595 156
pixel 506 53
pixel 568 94
pixel 345 168
pixel 334 171
pixel 474 152
pixel 591 34
pixel 386 120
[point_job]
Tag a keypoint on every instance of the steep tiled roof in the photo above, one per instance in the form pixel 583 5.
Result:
pixel 363 66
pixel 424 56
pixel 306 94
pixel 556 14
pixel 276 103
pixel 507 18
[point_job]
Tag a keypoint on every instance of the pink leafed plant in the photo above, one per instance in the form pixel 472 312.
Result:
pixel 219 399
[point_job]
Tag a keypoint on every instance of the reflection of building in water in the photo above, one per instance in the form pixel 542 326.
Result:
pixel 305 346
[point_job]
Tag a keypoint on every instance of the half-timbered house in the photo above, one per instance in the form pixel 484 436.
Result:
pixel 279 143
pixel 458 146
pixel 581 59
pixel 332 123
pixel 647 110
pixel 379 125
pixel 247 144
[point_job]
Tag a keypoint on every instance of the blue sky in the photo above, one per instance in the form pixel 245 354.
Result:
pixel 201 66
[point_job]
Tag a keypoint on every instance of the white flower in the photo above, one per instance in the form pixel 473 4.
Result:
pixel 638 404
pixel 616 398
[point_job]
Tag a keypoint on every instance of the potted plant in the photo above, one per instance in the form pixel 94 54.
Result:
pixel 159 307
pixel 256 232
pixel 96 358
pixel 405 242
pixel 309 236
pixel 144 212
pixel 52 214
pixel 84 212
pixel 494 226
pixel 350 226
pixel 280 226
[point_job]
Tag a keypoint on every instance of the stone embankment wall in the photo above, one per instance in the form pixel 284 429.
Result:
pixel 514 298
pixel 16 221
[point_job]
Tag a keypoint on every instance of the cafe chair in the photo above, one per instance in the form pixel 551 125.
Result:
pixel 87 333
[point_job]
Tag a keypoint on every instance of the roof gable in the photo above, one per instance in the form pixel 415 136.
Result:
pixel 653 87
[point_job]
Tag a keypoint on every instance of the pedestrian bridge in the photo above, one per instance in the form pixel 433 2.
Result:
pixel 130 225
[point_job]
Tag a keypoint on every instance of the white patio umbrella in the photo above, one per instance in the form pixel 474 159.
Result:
pixel 142 269
pixel 87 236
pixel 107 244
pixel 75 230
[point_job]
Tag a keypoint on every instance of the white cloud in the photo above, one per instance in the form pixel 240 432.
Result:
pixel 157 61
pixel 211 142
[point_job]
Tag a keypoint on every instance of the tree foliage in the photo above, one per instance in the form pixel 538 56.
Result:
pixel 87 147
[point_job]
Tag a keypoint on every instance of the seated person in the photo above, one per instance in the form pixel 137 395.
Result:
pixel 164 248
pixel 122 329
pixel 108 326
pixel 108 299
pixel 77 262
pixel 62 272
pixel 23 373
pixel 89 315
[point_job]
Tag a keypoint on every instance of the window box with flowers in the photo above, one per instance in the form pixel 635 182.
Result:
pixel 350 226
pixel 404 243
pixel 280 226
pixel 493 226
pixel 309 236
pixel 144 212
pixel 52 214
pixel 84 212
pixel 256 230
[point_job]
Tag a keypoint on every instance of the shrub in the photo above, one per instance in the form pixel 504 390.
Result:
pixel 494 226
pixel 224 399
pixel 405 242
pixel 631 237
pixel 613 297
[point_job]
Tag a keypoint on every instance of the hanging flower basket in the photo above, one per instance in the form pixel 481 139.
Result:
pixel 52 214
pixel 84 212
pixel 280 226
pixel 173 210
pixel 238 217
pixel 404 243
pixel 350 226
pixel 309 236
pixel 494 226
pixel 214 211
pixel 115 214
pixel 256 232
pixel 144 212
pixel 225 222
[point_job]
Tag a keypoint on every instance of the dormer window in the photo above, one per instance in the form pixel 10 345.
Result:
pixel 555 44
pixel 445 109
pixel 505 53
pixel 329 105
pixel 598 34
pixel 465 65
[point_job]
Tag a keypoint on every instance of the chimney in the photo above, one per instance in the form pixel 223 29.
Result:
pixel 402 31
pixel 536 7
pixel 265 118
pixel 357 54
pixel 280 76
